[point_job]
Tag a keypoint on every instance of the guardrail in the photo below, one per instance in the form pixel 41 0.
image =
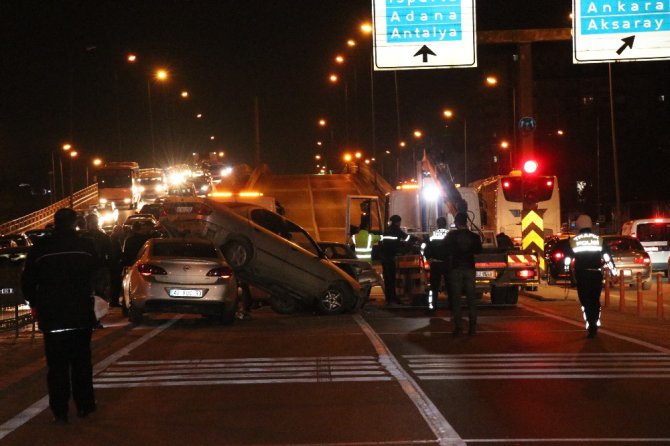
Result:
pixel 38 219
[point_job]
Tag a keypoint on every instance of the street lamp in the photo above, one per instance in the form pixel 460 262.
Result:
pixel 505 145
pixel 449 114
pixel 159 75
pixel 73 155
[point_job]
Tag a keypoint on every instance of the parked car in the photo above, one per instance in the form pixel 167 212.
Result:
pixel 556 249
pixel 275 255
pixel 15 247
pixel 177 275
pixel 629 256
pixel 344 257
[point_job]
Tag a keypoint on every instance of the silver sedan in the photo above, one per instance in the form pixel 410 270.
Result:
pixel 176 275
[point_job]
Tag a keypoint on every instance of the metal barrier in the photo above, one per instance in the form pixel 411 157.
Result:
pixel 39 219
pixel 14 317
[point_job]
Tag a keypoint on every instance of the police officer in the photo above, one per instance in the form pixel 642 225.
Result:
pixel 590 252
pixel 57 283
pixel 391 245
pixel 438 256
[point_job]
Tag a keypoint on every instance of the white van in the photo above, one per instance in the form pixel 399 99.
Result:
pixel 654 234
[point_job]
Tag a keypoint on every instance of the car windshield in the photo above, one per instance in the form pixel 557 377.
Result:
pixel 115 179
pixel 623 244
pixel 652 232
pixel 184 249
pixel 12 241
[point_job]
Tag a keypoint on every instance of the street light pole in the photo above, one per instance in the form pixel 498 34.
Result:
pixel 465 152
pixel 151 124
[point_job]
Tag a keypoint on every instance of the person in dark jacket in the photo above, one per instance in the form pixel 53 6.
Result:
pixel 116 240
pixel 438 257
pixel 462 245
pixel 103 247
pixel 134 242
pixel 57 283
pixel 391 245
pixel 590 252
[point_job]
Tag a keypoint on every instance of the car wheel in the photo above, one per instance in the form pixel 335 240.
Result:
pixel 646 285
pixel 237 253
pixel 134 314
pixel 512 295
pixel 228 316
pixel 333 301
pixel 283 304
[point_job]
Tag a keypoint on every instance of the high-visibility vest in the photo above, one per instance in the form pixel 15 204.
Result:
pixel 363 242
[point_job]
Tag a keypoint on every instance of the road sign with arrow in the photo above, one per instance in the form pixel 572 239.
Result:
pixel 620 30
pixel 420 34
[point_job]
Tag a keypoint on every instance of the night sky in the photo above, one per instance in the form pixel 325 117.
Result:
pixel 65 79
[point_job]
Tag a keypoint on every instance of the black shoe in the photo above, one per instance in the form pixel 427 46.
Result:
pixel 84 412
pixel 593 331
pixel 60 420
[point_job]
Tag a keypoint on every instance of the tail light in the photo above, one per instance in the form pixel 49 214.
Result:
pixel 558 256
pixel 224 272
pixel 525 274
pixel 147 270
pixel 642 260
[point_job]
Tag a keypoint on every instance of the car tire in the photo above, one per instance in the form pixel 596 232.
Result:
pixel 498 295
pixel 228 316
pixel 512 295
pixel 134 314
pixel 237 253
pixel 334 300
pixel 646 285
pixel 283 304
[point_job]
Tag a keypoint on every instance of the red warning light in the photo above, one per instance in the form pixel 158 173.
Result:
pixel 530 166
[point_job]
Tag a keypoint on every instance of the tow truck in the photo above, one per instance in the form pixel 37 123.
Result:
pixel 500 272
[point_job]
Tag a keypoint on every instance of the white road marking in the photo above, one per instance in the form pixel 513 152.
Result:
pixel 569 440
pixel 648 345
pixel 37 407
pixel 445 433
pixel 636 365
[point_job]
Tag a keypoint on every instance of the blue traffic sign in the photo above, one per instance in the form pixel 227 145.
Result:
pixel 620 30
pixel 415 34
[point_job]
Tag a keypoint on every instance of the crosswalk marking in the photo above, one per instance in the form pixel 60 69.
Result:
pixel 635 365
pixel 243 371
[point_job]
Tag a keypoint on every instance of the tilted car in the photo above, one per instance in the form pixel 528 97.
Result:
pixel 177 275
pixel 15 247
pixel 274 254
pixel 344 257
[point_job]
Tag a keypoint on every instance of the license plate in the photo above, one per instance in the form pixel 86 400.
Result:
pixel 184 209
pixel 6 290
pixel 185 293
pixel 486 274
pixel 627 273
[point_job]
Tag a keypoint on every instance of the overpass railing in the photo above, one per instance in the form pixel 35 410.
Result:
pixel 80 200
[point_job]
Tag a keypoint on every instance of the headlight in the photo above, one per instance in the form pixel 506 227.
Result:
pixel 204 188
pixel 160 188
pixel 141 188
pixel 103 201
pixel 126 200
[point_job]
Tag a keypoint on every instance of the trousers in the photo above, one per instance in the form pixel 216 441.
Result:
pixel 388 272
pixel 438 271
pixel 462 281
pixel 589 286
pixel 70 371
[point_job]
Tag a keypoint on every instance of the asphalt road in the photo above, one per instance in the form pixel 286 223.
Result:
pixel 387 376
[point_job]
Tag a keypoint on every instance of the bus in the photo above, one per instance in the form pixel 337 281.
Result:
pixel 500 214
pixel 118 183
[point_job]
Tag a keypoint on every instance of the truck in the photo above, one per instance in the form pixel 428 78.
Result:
pixel 152 183
pixel 118 183
pixel 500 272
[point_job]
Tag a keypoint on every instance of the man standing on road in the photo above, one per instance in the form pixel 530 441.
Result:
pixel 438 256
pixel 462 245
pixel 134 243
pixel 391 244
pixel 57 283
pixel 590 252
